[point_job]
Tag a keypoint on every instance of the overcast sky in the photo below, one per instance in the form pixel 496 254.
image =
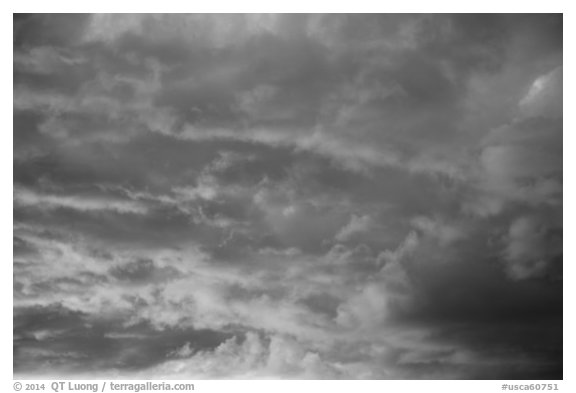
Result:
pixel 260 196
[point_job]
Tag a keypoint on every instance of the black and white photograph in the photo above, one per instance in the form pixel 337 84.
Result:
pixel 339 196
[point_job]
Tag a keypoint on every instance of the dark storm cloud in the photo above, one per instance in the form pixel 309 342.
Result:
pixel 313 196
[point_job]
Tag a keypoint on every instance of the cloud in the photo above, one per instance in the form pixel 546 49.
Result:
pixel 532 246
pixel 522 161
pixel 143 270
pixel 251 357
pixel 357 224
pixel 544 99
pixel 30 198
pixel 445 233
pixel 288 196
pixel 366 309
pixel 404 250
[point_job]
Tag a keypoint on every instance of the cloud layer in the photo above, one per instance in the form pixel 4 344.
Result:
pixel 288 196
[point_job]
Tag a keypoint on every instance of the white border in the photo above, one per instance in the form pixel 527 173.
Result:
pixel 6 175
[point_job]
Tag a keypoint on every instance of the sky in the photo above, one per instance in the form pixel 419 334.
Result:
pixel 343 196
